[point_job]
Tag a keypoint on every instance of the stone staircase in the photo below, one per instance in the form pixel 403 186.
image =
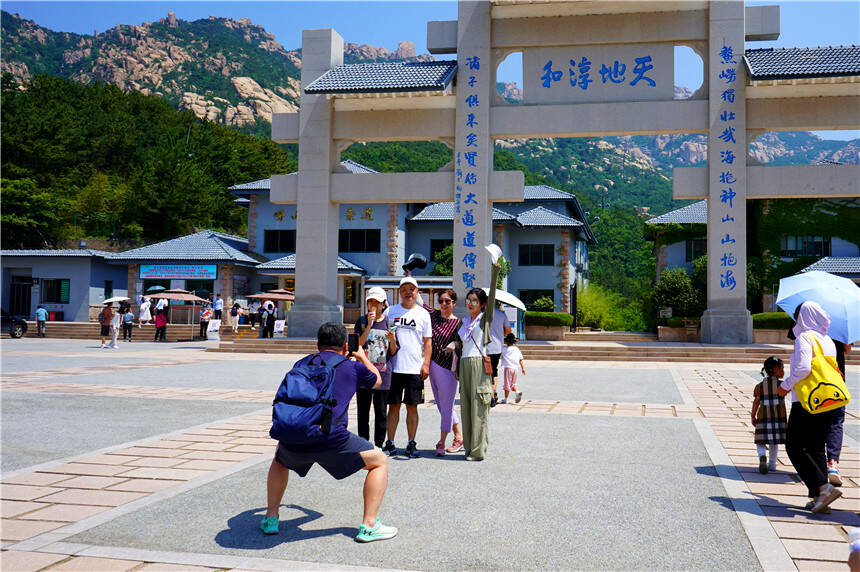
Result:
pixel 91 330
pixel 635 351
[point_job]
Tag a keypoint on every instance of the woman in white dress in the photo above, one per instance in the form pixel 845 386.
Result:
pixel 144 315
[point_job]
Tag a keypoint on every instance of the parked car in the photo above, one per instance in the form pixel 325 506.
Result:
pixel 16 327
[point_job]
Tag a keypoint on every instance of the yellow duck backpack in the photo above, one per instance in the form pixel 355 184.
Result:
pixel 824 388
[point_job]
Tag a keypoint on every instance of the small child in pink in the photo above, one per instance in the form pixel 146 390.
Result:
pixel 512 359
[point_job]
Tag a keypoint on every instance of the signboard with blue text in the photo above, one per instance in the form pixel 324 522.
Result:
pixel 597 73
pixel 179 271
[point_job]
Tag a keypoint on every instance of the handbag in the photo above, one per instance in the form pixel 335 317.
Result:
pixel 488 365
pixel 824 388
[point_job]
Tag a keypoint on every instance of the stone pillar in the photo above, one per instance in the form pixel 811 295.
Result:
pixel 393 244
pixel 727 320
pixel 133 273
pixel 226 284
pixel 564 271
pixel 252 222
pixel 317 220
pixel 473 149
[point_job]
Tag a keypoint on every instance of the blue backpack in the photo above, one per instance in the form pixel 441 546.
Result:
pixel 302 409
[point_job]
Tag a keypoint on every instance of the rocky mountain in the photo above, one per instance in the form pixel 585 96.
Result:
pixel 235 73
pixel 228 71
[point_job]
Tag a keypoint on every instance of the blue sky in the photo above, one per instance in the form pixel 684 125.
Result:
pixel 387 23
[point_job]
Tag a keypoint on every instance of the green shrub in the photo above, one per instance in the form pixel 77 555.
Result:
pixel 675 290
pixel 548 319
pixel 772 321
pixel 601 308
pixel 543 304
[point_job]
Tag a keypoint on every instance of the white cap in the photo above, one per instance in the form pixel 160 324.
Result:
pixel 408 280
pixel 376 293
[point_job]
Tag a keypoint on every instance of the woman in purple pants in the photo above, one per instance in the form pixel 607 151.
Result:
pixel 442 379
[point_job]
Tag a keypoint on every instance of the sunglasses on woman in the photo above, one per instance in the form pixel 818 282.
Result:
pixel 446 301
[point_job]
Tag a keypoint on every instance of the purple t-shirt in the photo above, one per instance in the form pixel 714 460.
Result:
pixel 350 376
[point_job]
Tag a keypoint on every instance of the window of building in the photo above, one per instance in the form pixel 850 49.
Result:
pixel 794 246
pixel 280 241
pixel 437 245
pixel 529 297
pixel 267 286
pixel 358 240
pixel 55 290
pixel 537 255
pixel 201 288
pixel 350 291
pixel 108 289
pixel 695 248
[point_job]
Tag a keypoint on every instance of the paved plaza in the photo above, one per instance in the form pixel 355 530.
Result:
pixel 154 457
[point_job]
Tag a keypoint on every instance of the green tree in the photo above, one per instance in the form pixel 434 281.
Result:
pixel 444 262
pixel 675 290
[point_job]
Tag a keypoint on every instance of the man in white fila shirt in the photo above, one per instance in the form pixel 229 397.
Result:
pixel 410 366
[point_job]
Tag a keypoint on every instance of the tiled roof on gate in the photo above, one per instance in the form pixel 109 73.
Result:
pixel 842 265
pixel 694 213
pixel 541 216
pixel 386 77
pixel 66 253
pixel 441 212
pixel 266 184
pixel 795 63
pixel 289 263
pixel 544 192
pixel 206 245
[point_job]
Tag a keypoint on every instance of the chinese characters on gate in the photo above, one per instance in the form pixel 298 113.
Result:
pixel 726 143
pixel 579 73
pixel 466 171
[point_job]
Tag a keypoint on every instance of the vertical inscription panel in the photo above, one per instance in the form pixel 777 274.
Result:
pixel 472 148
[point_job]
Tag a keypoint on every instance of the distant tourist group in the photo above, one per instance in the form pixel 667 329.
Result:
pixel 392 350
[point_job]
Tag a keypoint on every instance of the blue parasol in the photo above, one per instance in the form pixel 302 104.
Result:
pixel 840 298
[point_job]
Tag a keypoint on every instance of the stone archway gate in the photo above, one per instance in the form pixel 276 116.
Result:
pixel 589 69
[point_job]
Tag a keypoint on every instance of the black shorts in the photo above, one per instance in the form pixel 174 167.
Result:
pixel 105 331
pixel 494 359
pixel 339 463
pixel 406 388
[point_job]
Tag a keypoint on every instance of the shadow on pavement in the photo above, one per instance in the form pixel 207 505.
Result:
pixel 713 471
pixel 244 530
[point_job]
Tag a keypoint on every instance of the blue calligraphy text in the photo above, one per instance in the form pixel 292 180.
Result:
pixel 726 196
pixel 470 259
pixel 549 76
pixel 474 63
pixel 472 101
pixel 728 135
pixel 727 157
pixel 469 240
pixel 727 280
pixel 640 69
pixel 614 74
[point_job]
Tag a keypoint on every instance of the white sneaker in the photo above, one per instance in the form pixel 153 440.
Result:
pixel 827 496
pixel 103 346
pixel 519 396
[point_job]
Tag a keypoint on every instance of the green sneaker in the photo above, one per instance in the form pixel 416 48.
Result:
pixel 378 532
pixel 269 525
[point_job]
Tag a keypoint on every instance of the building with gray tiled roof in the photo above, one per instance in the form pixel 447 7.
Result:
pixel 845 266
pixel 204 246
pixel 444 212
pixel 288 263
pixel 386 77
pixel 798 63
pixel 59 253
pixel 66 282
pixel 690 214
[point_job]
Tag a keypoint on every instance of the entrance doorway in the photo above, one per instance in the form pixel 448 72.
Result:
pixel 20 295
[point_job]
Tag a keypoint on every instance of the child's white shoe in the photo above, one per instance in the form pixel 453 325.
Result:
pixel 519 396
